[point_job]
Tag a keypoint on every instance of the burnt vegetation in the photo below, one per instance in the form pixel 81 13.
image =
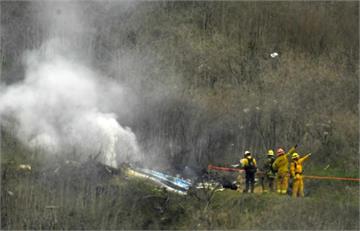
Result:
pixel 207 89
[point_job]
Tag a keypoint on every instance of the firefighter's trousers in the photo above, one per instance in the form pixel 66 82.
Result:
pixel 267 183
pixel 282 182
pixel 298 186
pixel 249 181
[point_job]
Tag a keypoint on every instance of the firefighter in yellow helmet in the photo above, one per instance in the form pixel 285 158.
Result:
pixel 296 171
pixel 248 163
pixel 268 173
pixel 281 166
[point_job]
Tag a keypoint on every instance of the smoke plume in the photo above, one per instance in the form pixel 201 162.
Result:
pixel 62 106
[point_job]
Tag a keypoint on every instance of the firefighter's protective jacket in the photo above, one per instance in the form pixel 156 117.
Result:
pixel 281 164
pixel 245 162
pixel 296 166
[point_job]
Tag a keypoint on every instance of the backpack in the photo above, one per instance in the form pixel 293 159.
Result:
pixel 250 167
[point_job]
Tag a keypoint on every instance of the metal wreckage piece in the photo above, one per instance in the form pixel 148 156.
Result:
pixel 171 183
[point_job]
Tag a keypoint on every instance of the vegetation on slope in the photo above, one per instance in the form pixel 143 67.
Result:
pixel 205 84
pixel 206 90
pixel 89 196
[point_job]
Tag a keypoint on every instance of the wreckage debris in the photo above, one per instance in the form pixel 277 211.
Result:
pixel 24 167
pixel 174 184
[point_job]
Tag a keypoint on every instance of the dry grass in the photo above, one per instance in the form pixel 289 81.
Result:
pixel 120 203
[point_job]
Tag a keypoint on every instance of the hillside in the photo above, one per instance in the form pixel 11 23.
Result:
pixel 79 198
pixel 175 86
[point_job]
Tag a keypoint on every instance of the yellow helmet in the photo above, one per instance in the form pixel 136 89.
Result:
pixel 294 155
pixel 270 152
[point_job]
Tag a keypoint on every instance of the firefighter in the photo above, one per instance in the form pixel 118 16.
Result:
pixel 296 171
pixel 248 163
pixel 281 166
pixel 268 175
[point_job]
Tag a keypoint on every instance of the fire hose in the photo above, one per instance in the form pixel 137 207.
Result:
pixel 225 169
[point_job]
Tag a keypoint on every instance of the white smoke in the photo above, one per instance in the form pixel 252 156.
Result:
pixel 62 106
